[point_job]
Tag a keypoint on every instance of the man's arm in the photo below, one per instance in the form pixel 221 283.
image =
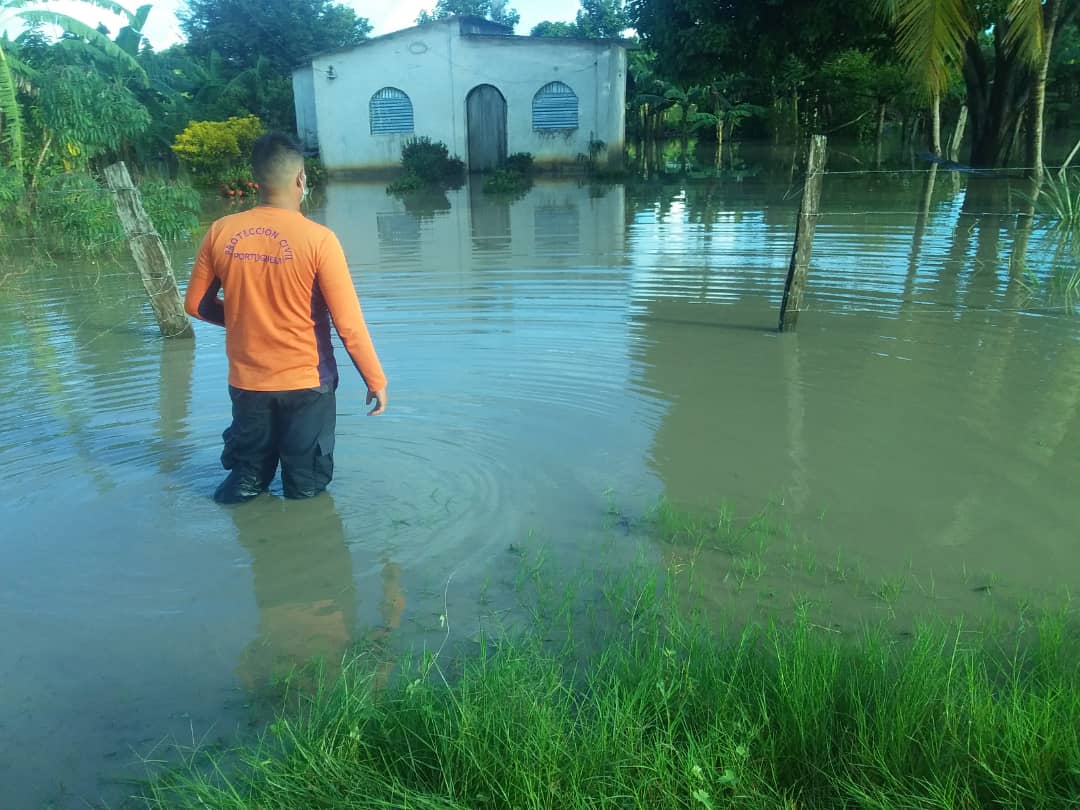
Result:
pixel 201 300
pixel 339 293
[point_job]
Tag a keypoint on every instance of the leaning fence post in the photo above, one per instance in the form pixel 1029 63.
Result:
pixel 149 254
pixel 795 288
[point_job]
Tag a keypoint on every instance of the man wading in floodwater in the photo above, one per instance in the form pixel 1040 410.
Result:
pixel 283 277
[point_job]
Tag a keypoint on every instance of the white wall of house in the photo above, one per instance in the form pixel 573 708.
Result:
pixel 307 128
pixel 436 66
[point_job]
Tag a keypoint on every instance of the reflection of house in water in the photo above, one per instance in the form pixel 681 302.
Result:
pixel 556 223
pixel 489 219
pixel 558 229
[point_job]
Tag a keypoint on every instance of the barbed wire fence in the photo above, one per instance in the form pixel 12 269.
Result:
pixel 107 249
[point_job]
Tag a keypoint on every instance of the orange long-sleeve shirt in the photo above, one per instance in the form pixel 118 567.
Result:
pixel 284 277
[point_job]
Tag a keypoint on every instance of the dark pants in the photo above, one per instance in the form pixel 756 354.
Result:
pixel 293 427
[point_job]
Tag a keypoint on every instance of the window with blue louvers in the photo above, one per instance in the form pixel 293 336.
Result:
pixel 555 106
pixel 391 112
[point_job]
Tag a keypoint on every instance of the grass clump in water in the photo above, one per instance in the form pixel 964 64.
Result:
pixel 1058 204
pixel 666 713
pixel 513 178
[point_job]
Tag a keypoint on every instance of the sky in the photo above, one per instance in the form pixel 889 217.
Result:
pixel 163 30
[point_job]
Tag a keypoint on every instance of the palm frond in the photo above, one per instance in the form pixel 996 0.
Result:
pixel 12 115
pixel 930 38
pixel 887 9
pixel 106 5
pixel 92 36
pixel 1026 30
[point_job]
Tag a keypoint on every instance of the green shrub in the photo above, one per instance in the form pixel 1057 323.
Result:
pixel 427 163
pixel 513 177
pixel 315 171
pixel 505 181
pixel 407 183
pixel 591 161
pixel 88 114
pixel 520 162
pixel 11 195
pixel 214 150
pixel 172 207
pixel 75 213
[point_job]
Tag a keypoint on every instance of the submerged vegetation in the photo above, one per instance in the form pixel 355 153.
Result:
pixel 78 213
pixel 641 700
pixel 513 178
pixel 427 165
pixel 1058 205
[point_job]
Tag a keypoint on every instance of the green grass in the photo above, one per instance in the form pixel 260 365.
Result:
pixel 1059 200
pixel 507 182
pixel 668 712
pixel 1058 205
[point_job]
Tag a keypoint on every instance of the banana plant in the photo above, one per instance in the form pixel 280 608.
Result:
pixel 12 71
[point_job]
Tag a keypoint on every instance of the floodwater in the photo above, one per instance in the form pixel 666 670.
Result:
pixel 581 350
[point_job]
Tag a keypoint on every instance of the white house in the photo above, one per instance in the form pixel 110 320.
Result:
pixel 469 83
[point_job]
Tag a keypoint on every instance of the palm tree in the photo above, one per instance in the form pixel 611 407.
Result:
pixel 12 69
pixel 936 37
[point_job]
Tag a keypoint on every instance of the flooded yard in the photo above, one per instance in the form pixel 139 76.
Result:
pixel 558 364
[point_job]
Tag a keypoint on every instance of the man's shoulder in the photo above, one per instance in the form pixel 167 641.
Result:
pixel 318 232
pixel 237 218
pixel 230 222
pixel 298 227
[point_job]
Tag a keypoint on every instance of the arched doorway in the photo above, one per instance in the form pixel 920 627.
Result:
pixel 486 121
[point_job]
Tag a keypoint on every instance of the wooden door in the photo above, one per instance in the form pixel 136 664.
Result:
pixel 486 117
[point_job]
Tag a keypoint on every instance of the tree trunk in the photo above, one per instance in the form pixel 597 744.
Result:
pixel 996 98
pixel 795 114
pixel 935 124
pixel 1022 235
pixel 920 231
pixel 958 135
pixel 719 131
pixel 1051 12
pixel 684 138
pixel 1012 140
pixel 41 159
pixel 880 130
pixel 719 141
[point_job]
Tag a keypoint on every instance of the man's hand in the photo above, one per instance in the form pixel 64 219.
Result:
pixel 380 400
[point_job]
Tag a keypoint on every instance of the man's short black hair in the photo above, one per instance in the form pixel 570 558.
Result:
pixel 275 158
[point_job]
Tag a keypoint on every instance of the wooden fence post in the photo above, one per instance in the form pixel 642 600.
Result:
pixel 149 254
pixel 795 288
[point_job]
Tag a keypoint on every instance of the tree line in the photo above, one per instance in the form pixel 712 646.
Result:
pixel 773 69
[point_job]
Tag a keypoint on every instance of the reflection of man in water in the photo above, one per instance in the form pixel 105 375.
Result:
pixel 305 590
pixel 283 277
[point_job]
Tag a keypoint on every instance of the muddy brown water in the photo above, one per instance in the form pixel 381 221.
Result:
pixel 552 358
